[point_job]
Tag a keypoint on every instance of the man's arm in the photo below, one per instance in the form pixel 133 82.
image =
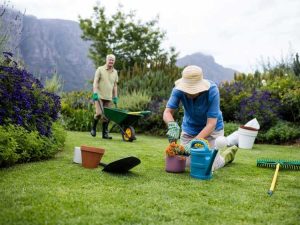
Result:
pixel 96 81
pixel 173 128
pixel 208 129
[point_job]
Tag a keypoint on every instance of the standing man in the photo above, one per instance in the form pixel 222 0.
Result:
pixel 202 115
pixel 105 90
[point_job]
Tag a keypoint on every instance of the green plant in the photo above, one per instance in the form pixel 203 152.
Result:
pixel 77 110
pixel 54 84
pixel 8 146
pixel 230 127
pixel 134 101
pixel 261 105
pixel 290 105
pixel 231 95
pixel 281 133
pixel 156 83
pixel 24 102
pixel 19 145
pixel 296 65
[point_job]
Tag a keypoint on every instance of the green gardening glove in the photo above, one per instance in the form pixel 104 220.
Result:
pixel 187 147
pixel 95 96
pixel 173 131
pixel 115 100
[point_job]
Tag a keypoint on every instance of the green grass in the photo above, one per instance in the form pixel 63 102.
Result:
pixel 59 191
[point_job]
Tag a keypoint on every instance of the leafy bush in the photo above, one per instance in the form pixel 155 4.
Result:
pixel 27 116
pixel 290 105
pixel 154 123
pixel 17 145
pixel 79 119
pixel 280 133
pixel 8 146
pixel 261 105
pixel 230 127
pixel 158 84
pixel 24 102
pixel 54 84
pixel 134 101
pixel 77 110
pixel 231 95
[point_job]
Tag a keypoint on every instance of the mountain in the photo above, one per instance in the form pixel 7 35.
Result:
pixel 11 25
pixel 211 70
pixel 52 45
pixel 48 46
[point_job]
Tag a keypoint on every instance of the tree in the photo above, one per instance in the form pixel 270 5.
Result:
pixel 130 40
pixel 296 65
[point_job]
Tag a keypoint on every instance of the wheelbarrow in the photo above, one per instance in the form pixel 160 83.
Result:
pixel 124 120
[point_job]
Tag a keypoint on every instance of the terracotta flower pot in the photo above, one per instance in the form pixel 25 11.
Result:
pixel 175 164
pixel 91 156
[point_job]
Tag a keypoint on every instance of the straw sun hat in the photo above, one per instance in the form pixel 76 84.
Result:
pixel 192 81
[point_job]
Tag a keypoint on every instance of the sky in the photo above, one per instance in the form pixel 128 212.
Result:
pixel 238 34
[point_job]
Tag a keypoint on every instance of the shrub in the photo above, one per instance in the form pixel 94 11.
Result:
pixel 154 124
pixel 134 101
pixel 280 133
pixel 231 95
pixel 24 102
pixel 260 105
pixel 230 127
pixel 158 84
pixel 54 84
pixel 8 146
pixel 77 110
pixel 27 116
pixel 17 145
pixel 290 105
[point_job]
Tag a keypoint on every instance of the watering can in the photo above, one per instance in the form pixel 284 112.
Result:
pixel 202 160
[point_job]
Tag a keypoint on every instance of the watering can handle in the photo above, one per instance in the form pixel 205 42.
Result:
pixel 200 142
pixel 214 154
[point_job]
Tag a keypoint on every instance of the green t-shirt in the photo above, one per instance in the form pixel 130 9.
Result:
pixel 106 80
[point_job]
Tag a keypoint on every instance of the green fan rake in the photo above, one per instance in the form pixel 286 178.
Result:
pixel 278 163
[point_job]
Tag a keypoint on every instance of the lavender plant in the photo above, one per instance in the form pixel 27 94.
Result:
pixel 260 105
pixel 24 102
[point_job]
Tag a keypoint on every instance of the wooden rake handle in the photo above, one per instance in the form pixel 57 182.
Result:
pixel 270 192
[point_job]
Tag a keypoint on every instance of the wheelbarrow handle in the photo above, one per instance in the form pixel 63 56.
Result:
pixel 102 109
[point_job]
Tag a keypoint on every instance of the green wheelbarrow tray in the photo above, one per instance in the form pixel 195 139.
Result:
pixel 124 120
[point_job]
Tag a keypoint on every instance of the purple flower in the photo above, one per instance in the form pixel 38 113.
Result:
pixel 23 100
pixel 261 105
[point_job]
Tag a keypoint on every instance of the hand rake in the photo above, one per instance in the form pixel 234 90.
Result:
pixel 277 163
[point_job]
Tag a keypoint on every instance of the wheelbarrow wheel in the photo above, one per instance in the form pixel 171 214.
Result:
pixel 129 134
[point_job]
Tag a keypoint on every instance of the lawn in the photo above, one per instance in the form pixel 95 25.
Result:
pixel 59 191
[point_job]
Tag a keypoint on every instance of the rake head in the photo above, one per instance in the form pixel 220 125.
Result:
pixel 284 164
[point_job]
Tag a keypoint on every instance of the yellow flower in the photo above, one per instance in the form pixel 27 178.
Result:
pixel 198 145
